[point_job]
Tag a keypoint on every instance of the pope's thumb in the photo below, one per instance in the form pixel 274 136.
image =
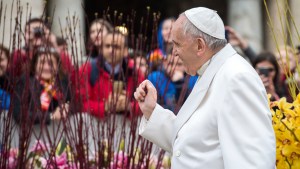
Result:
pixel 149 88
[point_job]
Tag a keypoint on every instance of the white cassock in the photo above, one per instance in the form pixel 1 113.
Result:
pixel 224 123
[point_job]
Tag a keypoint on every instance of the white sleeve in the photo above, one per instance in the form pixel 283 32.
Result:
pixel 158 129
pixel 245 127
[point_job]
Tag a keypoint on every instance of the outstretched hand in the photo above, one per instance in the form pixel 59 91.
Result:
pixel 146 95
pixel 235 39
pixel 118 101
pixel 60 112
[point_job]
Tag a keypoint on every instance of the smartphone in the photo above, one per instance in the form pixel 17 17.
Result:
pixel 227 35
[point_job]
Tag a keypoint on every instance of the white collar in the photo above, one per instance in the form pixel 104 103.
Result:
pixel 203 68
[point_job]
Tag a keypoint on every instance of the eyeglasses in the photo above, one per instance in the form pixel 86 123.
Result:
pixel 264 70
pixel 270 69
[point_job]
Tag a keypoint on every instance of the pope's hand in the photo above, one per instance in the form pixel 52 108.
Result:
pixel 146 96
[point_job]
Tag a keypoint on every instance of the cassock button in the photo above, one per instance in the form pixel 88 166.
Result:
pixel 178 153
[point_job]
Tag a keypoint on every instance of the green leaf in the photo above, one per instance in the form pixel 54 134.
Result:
pixel 122 145
pixel 62 146
pixel 38 163
pixel 31 155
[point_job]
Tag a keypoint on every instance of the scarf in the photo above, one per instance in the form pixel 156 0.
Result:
pixel 47 94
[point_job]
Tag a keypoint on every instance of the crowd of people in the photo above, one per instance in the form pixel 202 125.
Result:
pixel 39 81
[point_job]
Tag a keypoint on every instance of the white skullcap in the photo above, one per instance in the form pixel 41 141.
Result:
pixel 207 21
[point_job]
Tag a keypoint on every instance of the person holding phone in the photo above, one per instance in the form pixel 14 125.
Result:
pixel 267 67
pixel 37 34
pixel 237 40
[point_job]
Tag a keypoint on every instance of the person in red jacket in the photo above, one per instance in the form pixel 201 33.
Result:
pixel 37 34
pixel 107 83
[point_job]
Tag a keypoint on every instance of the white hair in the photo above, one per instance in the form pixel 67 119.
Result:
pixel 191 30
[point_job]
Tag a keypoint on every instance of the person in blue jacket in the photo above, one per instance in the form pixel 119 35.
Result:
pixel 172 83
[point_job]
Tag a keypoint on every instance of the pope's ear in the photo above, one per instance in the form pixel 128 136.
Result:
pixel 201 46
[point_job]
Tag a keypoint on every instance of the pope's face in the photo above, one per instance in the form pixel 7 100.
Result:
pixel 185 47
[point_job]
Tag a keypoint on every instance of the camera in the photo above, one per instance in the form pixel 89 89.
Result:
pixel 38 32
pixel 264 71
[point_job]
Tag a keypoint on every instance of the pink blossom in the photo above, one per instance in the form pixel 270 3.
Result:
pixel 43 162
pixel 39 147
pixel 120 160
pixel 61 160
pixel 12 159
pixel 12 163
pixel 13 152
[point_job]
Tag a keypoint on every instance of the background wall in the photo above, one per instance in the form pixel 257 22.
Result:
pixel 248 17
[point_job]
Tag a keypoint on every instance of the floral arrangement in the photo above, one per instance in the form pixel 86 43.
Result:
pixel 286 123
pixel 63 158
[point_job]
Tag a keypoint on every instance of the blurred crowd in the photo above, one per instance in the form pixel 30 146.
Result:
pixel 40 82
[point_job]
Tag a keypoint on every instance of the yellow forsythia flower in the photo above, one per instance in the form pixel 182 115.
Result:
pixel 286 124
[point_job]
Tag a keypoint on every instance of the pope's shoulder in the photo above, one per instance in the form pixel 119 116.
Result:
pixel 237 66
